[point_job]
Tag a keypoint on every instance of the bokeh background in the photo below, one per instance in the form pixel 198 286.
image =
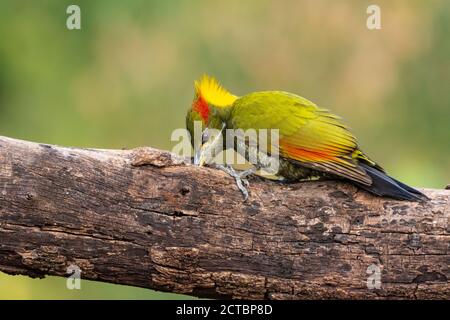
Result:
pixel 126 79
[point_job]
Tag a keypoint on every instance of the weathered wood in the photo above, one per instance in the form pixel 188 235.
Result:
pixel 145 218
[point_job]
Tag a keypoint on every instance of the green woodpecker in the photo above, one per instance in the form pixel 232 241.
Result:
pixel 312 142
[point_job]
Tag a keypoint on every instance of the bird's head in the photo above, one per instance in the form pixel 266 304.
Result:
pixel 210 107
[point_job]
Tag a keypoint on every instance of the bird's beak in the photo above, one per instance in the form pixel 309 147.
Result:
pixel 197 156
pixel 203 153
pixel 200 155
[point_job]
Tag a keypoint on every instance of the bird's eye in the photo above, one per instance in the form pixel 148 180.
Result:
pixel 205 135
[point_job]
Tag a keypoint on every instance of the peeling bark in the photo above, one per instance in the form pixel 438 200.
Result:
pixel 146 218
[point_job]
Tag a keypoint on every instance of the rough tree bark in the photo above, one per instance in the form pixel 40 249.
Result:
pixel 145 218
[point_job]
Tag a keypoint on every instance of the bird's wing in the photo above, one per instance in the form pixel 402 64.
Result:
pixel 308 134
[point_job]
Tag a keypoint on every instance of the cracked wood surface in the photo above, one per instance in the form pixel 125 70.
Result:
pixel 146 218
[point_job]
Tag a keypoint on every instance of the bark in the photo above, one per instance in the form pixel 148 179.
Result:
pixel 146 218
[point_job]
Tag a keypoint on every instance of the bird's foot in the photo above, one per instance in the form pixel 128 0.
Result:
pixel 240 177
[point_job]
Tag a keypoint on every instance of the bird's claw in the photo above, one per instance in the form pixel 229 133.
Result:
pixel 240 177
pixel 240 184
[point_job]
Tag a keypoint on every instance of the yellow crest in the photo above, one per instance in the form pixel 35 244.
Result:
pixel 211 90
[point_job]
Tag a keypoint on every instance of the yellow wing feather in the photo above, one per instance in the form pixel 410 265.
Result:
pixel 308 134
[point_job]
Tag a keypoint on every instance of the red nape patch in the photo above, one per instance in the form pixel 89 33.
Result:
pixel 201 106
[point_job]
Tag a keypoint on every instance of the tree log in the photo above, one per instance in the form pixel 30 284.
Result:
pixel 148 218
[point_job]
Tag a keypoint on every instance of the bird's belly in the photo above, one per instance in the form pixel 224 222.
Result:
pixel 295 172
pixel 289 170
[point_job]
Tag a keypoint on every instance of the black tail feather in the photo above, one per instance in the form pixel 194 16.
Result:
pixel 383 185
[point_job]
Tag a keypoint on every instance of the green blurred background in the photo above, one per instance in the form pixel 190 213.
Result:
pixel 126 79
